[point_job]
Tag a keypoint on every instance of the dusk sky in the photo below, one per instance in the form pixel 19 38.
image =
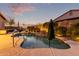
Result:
pixel 35 13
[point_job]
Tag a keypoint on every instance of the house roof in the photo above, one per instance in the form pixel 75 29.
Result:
pixel 3 16
pixel 71 14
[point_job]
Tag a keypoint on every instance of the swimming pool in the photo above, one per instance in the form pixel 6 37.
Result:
pixel 42 42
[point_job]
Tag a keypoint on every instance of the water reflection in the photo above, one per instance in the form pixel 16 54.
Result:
pixel 33 42
pixel 42 42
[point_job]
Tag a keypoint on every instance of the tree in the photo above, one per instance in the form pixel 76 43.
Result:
pixel 18 24
pixel 51 34
pixel 11 22
pixel 63 31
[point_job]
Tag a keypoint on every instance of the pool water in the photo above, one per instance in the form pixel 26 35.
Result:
pixel 33 42
pixel 41 42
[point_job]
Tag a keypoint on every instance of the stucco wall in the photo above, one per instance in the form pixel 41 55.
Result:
pixel 68 23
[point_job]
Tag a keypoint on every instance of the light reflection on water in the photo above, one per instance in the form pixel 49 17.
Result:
pixel 33 42
pixel 41 42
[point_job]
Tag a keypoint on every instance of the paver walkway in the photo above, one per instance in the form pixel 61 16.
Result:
pixel 18 51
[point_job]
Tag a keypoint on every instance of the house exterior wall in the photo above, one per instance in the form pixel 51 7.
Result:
pixel 68 23
pixel 63 23
pixel 75 21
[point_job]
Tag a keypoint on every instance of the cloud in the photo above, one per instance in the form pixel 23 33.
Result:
pixel 20 8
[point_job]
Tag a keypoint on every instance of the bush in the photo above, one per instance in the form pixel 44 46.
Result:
pixel 61 30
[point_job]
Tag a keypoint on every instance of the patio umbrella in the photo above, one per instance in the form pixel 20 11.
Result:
pixel 51 31
pixel 55 42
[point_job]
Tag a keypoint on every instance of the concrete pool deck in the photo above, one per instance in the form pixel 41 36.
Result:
pixel 7 49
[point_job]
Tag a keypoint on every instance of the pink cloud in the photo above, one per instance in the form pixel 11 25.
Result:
pixel 20 8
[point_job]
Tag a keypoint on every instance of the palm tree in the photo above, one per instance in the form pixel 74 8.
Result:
pixel 18 24
pixel 11 22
